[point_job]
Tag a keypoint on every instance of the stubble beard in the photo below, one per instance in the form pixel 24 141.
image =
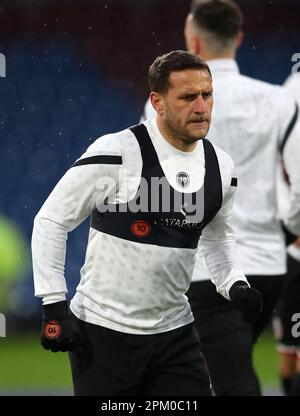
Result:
pixel 180 133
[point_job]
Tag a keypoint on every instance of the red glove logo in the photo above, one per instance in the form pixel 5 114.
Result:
pixel 140 228
pixel 52 329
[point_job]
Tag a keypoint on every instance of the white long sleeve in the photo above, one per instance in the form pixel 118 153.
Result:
pixel 218 247
pixel 291 160
pixel 69 204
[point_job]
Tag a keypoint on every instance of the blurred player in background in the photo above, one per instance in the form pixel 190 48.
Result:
pixel 255 123
pixel 288 312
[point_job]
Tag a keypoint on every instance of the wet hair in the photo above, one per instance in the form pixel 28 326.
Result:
pixel 175 61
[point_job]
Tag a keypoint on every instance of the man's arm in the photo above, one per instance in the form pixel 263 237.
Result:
pixel 291 162
pixel 91 179
pixel 289 146
pixel 218 246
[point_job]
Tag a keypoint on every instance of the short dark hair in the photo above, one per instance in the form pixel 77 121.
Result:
pixel 223 18
pixel 175 61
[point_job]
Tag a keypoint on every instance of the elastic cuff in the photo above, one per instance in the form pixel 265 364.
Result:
pixel 55 297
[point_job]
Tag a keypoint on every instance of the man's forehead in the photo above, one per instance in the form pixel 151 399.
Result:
pixel 190 78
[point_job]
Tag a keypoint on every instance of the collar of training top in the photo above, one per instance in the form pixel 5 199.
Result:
pixel 223 65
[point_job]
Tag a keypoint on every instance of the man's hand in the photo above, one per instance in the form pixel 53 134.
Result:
pixel 247 299
pixel 60 330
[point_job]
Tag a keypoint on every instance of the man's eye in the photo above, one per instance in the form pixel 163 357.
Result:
pixel 189 97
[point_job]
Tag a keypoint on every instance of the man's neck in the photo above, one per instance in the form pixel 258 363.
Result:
pixel 207 56
pixel 177 142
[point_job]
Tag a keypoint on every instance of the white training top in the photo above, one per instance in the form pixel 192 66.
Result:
pixel 249 122
pixel 128 286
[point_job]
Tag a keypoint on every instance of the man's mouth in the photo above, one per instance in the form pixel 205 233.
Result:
pixel 198 122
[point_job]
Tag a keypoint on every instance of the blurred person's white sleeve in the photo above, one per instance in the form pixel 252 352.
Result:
pixel 291 162
pixel 289 145
pixel 149 112
pixel 218 246
pixel 73 199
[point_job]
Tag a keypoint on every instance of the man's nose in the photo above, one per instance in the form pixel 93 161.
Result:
pixel 199 106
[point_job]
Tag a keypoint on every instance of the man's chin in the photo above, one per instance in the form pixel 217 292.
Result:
pixel 197 134
pixel 192 139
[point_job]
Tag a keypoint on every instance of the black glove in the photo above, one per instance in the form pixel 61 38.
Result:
pixel 290 238
pixel 247 299
pixel 60 331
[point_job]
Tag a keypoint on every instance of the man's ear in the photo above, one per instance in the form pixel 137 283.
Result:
pixel 157 102
pixel 191 35
pixel 240 39
pixel 196 45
